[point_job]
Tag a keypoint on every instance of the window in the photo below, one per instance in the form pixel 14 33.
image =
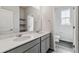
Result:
pixel 65 17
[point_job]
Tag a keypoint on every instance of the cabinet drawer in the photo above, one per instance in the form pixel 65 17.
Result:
pixel 45 36
pixel 24 47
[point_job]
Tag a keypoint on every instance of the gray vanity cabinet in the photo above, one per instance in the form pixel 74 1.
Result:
pixel 35 49
pixel 43 46
pixel 30 47
pixel 45 43
pixel 39 45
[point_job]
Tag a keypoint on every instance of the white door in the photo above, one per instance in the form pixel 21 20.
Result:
pixel 6 21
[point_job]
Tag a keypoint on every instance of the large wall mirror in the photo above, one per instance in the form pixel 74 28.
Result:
pixel 29 18
pixel 15 19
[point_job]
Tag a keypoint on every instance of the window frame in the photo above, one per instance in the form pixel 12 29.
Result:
pixel 65 20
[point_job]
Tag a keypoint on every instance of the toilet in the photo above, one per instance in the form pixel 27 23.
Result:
pixel 56 38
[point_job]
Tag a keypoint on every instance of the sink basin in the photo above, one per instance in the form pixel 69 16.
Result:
pixel 22 38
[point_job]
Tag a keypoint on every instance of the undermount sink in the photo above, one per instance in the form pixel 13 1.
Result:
pixel 22 38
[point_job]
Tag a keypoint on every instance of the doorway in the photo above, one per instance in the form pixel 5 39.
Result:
pixel 64 30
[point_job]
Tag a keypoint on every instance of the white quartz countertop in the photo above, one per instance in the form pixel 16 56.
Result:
pixel 8 43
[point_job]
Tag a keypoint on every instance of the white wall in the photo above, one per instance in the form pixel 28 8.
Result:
pixel 16 16
pixel 47 13
pixel 0 6
pixel 46 18
pixel 22 13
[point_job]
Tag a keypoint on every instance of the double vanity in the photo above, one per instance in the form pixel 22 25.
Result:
pixel 26 43
pixel 25 40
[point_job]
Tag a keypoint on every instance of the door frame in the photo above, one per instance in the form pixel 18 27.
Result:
pixel 76 13
pixel 75 34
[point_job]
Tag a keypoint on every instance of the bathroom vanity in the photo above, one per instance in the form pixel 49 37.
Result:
pixel 45 43
pixel 24 39
pixel 39 43
pixel 30 47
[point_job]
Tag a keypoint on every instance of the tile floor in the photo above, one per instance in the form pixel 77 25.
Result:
pixel 64 47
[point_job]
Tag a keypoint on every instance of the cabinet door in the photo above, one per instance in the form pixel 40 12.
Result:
pixel 35 49
pixel 47 43
pixel 43 46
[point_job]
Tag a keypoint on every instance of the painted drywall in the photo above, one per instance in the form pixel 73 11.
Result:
pixel 22 13
pixel 46 18
pixel 0 6
pixel 16 16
